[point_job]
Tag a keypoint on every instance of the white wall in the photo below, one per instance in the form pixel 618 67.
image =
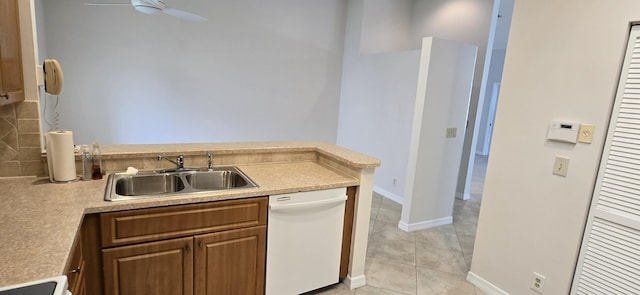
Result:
pixel 563 61
pixel 386 26
pixel 376 106
pixel 443 92
pixel 466 21
pixel 40 28
pixel 253 72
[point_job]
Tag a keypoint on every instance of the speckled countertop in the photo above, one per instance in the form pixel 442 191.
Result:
pixel 40 219
pixel 338 153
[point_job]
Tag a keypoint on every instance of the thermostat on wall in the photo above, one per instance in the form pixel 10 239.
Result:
pixel 563 131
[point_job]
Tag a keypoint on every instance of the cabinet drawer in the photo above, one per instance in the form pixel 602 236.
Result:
pixel 135 226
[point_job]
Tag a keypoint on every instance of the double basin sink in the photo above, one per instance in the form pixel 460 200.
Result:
pixel 123 186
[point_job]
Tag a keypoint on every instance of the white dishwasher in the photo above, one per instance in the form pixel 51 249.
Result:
pixel 304 241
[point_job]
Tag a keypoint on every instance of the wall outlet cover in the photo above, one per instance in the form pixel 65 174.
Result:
pixel 585 133
pixel 537 282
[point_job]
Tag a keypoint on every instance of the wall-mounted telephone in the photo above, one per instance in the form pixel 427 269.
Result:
pixel 53 78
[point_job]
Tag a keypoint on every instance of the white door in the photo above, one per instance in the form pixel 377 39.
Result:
pixel 609 261
pixel 491 117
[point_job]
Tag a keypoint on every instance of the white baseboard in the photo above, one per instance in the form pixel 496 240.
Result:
pixel 463 196
pixel 484 285
pixel 356 282
pixel 389 195
pixel 424 224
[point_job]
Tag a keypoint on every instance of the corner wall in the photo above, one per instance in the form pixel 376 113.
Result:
pixel 378 90
pixel 563 62
pixel 442 99
pixel 376 104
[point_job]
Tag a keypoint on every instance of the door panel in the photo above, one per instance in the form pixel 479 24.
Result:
pixel 231 262
pixel 156 268
pixel 610 249
pixel 11 79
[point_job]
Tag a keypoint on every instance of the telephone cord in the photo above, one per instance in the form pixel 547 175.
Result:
pixel 56 116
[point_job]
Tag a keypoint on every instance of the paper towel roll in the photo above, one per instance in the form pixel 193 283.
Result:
pixel 60 157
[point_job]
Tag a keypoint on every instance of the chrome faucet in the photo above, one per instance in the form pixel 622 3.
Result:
pixel 209 160
pixel 179 162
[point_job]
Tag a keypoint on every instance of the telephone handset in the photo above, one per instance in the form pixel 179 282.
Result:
pixel 53 78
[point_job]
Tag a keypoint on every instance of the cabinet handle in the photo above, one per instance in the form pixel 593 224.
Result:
pixel 187 248
pixel 75 270
pixel 4 95
pixel 200 244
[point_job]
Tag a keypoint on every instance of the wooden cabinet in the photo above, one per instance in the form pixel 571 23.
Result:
pixel 231 262
pixel 347 231
pixel 208 248
pixel 159 268
pixel 75 270
pixel 11 79
pixel 212 248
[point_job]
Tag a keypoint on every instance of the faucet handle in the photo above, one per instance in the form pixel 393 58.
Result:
pixel 180 161
pixel 209 160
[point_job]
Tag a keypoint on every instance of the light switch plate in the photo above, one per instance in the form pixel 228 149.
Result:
pixel 585 133
pixel 452 132
pixel 561 166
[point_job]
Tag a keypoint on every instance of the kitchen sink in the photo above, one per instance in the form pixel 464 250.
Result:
pixel 152 184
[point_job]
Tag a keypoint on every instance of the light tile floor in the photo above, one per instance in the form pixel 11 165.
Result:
pixel 433 261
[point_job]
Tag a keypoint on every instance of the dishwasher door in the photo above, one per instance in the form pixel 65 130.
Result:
pixel 304 241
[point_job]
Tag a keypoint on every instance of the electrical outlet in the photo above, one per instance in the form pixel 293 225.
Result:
pixel 537 282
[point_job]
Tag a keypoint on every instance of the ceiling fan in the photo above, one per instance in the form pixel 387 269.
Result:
pixel 154 7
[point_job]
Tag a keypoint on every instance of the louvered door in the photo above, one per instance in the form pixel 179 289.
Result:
pixel 609 260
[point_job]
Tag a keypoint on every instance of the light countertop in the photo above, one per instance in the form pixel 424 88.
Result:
pixel 40 219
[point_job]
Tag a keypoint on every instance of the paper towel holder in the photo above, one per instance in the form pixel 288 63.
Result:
pixel 50 166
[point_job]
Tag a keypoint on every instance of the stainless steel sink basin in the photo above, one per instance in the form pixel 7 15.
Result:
pixel 215 180
pixel 122 186
pixel 148 184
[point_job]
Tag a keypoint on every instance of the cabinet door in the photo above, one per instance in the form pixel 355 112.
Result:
pixel 11 80
pixel 75 269
pixel 156 268
pixel 231 262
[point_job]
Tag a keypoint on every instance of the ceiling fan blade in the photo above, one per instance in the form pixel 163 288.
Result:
pixel 107 4
pixel 184 15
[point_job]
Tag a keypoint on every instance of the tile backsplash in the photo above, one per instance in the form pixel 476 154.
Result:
pixel 20 135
